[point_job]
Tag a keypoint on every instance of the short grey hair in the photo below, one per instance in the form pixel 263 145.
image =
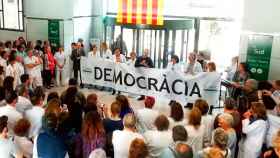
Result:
pixel 228 118
pixel 253 83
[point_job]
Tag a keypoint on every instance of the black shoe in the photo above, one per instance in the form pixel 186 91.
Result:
pixel 114 92
pixel 142 97
pixel 81 85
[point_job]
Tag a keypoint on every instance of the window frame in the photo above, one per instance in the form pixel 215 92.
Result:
pixel 20 11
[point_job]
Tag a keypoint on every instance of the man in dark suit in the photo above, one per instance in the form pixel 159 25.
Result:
pixel 77 53
pixel 144 61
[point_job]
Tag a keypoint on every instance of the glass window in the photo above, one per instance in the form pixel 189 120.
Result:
pixel 11 15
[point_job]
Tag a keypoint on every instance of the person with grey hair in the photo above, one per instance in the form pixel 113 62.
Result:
pixel 220 142
pixel 193 66
pixel 250 91
pixel 122 138
pixel 225 122
pixel 179 148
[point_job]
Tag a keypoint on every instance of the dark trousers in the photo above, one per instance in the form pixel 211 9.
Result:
pixel 48 77
pixel 77 73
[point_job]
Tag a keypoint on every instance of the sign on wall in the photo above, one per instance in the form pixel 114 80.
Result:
pixel 259 55
pixel 53 33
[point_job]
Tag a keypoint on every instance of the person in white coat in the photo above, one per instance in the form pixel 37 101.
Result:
pixel 174 65
pixel 193 66
pixel 14 69
pixel 132 59
pixel 106 52
pixel 255 128
pixel 159 139
pixel 32 67
pixel 94 53
pixel 60 59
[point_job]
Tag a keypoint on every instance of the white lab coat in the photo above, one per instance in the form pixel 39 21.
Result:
pixel 255 136
pixel 197 68
pixel 173 67
pixel 273 127
pixel 15 71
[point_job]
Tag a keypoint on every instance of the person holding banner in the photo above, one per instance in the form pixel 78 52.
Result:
pixel 144 61
pixel 106 52
pixel 193 67
pixel 94 53
pixel 174 65
pixel 118 58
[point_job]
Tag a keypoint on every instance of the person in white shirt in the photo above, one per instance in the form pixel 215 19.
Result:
pixel 35 114
pixel 122 138
pixel 10 111
pixel 14 69
pixel 230 70
pixel 132 59
pixel 206 120
pixel 193 66
pixel 196 130
pixel 220 142
pixel 174 65
pixel 106 52
pixel 94 53
pixel 3 60
pixel 21 137
pixel 60 59
pixel 23 102
pixel 255 128
pixel 118 57
pixel 7 147
pixel 147 115
pixel 32 66
pixel 176 115
pixel 158 140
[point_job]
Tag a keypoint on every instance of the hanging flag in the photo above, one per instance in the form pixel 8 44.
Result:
pixel 149 12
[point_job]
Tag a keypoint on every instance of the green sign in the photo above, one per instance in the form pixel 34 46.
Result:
pixel 53 28
pixel 258 56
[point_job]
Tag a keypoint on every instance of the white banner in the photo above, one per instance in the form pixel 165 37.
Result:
pixel 151 81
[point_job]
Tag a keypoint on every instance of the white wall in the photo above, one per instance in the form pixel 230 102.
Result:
pixel 262 16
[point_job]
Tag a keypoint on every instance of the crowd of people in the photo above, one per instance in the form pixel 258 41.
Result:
pixel 37 124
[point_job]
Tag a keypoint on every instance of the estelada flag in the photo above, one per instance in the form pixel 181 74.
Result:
pixel 149 12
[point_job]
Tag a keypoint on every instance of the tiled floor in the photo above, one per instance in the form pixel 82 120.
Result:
pixel 107 98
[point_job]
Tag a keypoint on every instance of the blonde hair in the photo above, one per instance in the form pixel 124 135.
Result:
pixel 129 121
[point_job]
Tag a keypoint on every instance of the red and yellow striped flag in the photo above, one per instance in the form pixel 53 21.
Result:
pixel 148 12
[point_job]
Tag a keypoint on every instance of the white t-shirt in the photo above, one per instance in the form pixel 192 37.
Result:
pixel 196 137
pixel 3 63
pixel 91 55
pixel 173 123
pixel 25 145
pixel 35 71
pixel 13 116
pixel 15 71
pixel 35 115
pixel 146 118
pixel 121 59
pixel 60 59
pixel 23 104
pixel 121 141
pixel 157 141
pixel 8 149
